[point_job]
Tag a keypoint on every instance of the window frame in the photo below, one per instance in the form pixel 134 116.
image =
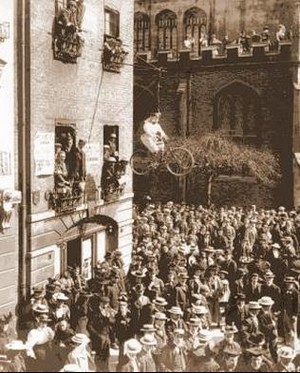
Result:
pixel 113 23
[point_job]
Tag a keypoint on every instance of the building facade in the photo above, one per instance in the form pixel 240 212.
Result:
pixel 9 197
pixel 247 93
pixel 75 89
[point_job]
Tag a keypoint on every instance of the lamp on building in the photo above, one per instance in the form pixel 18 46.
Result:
pixel 4 31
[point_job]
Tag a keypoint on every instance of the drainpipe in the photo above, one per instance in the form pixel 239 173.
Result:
pixel 22 40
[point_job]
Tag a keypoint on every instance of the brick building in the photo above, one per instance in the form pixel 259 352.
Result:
pixel 73 95
pixel 8 162
pixel 246 94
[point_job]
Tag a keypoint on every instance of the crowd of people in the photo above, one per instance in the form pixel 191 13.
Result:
pixel 207 290
pixel 244 39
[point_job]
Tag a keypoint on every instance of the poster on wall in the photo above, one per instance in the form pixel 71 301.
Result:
pixel 87 259
pixel 5 163
pixel 92 152
pixel 44 154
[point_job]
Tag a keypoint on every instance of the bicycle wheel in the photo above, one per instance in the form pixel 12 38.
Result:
pixel 140 162
pixel 180 161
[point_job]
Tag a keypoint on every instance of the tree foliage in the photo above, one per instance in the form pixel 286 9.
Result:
pixel 216 154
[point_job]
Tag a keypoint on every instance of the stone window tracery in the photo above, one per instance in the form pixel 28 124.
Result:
pixel 166 22
pixel 141 32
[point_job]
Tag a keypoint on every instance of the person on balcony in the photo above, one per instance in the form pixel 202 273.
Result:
pixel 61 175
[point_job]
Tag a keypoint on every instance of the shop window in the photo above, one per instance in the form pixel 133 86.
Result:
pixel 141 32
pixel 67 38
pixel 113 180
pixel 166 22
pixel 70 168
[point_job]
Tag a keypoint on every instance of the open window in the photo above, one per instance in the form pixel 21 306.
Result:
pixel 67 37
pixel 114 51
pixel 113 180
pixel 70 168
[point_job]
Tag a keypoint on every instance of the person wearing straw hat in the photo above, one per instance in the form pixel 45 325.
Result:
pixel 132 349
pixel 146 359
pixel 230 360
pixel 80 354
pixel 268 325
pixel 122 326
pixel 161 337
pixel 39 344
pixel 100 325
pixel 175 322
pixel 61 311
pixel 71 368
pixel 290 308
pixel 174 355
pixel 257 361
pixel 286 355
pixel 61 342
pixel 15 356
pixel 159 305
pixel 230 331
pixel 250 326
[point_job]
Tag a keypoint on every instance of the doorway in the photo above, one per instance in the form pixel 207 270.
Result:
pixel 74 253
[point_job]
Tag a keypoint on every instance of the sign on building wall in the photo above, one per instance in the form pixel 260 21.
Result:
pixel 5 163
pixel 92 152
pixel 44 154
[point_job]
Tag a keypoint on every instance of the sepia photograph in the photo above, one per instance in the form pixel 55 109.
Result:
pixel 149 186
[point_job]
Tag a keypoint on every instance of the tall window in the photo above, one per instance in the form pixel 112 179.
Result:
pixel 59 5
pixel 166 22
pixel 112 22
pixel 141 32
pixel 195 26
pixel 237 113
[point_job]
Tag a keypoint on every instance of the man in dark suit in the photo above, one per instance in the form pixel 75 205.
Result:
pixel 290 305
pixel 269 289
pixel 250 326
pixel 268 325
pixel 181 291
pixel 253 289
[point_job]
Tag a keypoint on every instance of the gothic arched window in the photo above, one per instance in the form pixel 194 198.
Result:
pixel 195 26
pixel 141 32
pixel 166 22
pixel 237 113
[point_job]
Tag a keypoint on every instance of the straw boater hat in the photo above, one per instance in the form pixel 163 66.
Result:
pixel 230 329
pixel 148 328
pixel 286 352
pixel 254 306
pixel 193 322
pixel 160 302
pixel 179 332
pixel 38 292
pixel 40 309
pixel 80 339
pixel 233 350
pixel 44 318
pixel 266 301
pixel 71 368
pixel 199 310
pixel 148 340
pixel 176 311
pixel 16 346
pixel 160 316
pixel 60 297
pixel 133 346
